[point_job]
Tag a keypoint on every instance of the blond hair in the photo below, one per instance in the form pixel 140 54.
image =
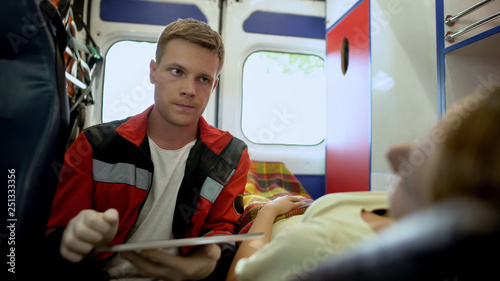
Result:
pixel 467 163
pixel 195 32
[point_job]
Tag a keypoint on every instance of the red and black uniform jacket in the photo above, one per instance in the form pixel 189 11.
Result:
pixel 109 166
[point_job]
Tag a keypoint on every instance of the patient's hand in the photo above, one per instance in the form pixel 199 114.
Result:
pixel 282 205
pixel 263 223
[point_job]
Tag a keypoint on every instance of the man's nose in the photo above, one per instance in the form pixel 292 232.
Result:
pixel 189 88
pixel 396 154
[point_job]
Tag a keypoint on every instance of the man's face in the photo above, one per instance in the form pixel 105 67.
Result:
pixel 184 79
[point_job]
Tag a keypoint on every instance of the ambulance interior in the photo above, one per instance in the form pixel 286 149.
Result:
pixel 319 90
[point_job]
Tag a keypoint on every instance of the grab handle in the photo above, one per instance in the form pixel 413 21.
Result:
pixel 450 20
pixel 450 36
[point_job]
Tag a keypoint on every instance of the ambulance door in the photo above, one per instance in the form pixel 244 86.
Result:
pixel 272 87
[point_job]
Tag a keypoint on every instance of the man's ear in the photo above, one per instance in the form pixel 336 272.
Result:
pixel 152 70
pixel 215 84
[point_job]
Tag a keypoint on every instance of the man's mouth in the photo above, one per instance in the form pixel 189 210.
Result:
pixel 184 106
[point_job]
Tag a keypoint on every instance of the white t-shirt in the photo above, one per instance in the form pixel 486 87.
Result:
pixel 157 215
pixel 299 244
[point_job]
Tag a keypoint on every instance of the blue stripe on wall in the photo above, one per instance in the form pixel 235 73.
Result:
pixel 285 24
pixel 148 12
pixel 315 185
pixel 441 102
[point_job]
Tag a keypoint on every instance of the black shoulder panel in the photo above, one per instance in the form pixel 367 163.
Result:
pixel 203 163
pixel 108 146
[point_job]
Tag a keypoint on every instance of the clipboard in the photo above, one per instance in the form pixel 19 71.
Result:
pixel 138 246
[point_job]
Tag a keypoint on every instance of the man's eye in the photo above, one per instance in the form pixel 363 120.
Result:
pixel 204 80
pixel 176 71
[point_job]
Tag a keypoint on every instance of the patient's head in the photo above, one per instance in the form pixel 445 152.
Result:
pixel 460 156
pixel 468 162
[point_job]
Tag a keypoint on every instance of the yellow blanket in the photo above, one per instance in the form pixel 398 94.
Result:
pixel 267 181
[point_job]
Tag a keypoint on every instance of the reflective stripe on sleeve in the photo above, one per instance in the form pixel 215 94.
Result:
pixel 121 173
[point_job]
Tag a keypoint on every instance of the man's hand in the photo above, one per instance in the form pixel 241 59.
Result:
pixel 157 264
pixel 87 230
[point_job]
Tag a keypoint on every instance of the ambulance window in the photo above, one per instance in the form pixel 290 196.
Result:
pixel 127 90
pixel 284 99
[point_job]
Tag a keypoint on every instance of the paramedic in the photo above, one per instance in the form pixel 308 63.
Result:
pixel 162 174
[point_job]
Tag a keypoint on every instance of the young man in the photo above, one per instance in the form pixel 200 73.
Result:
pixel 162 174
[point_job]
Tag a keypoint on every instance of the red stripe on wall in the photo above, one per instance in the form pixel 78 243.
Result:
pixel 349 104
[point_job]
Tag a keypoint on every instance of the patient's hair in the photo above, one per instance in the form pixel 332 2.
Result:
pixel 468 161
pixel 195 32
